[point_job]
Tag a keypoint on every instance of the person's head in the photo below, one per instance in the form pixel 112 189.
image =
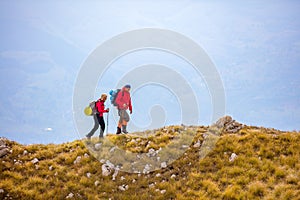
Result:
pixel 103 97
pixel 127 87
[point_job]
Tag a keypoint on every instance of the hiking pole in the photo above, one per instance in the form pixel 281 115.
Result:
pixel 107 122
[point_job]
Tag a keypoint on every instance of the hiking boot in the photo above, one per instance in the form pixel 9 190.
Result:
pixel 100 140
pixel 118 131
pixel 88 137
pixel 124 129
pixel 101 134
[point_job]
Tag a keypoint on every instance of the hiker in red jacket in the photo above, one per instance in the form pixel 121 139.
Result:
pixel 98 117
pixel 123 101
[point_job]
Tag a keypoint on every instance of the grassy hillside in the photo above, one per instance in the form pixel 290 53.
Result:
pixel 266 166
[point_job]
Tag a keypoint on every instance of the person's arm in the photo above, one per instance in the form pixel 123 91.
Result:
pixel 100 107
pixel 130 106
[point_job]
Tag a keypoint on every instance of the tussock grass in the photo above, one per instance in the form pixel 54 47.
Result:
pixel 267 167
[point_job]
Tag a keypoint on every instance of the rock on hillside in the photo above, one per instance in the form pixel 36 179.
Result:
pixel 229 125
pixel 4 149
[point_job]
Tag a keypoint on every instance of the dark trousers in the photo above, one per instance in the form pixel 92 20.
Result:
pixel 99 120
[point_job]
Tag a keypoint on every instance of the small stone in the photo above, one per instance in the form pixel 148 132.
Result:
pixel 133 141
pixel 152 185
pixel 123 187
pixel 147 169
pixel 107 168
pixel 55 174
pixel 151 153
pixel 197 144
pixel 97 183
pixel 274 136
pixel 37 167
pixel 173 176
pixel 51 168
pixel 115 174
pixel 2 142
pixel 1 191
pixel 18 163
pixel 102 161
pixel 232 157
pixel 122 178
pixel 163 165
pixel 157 190
pixel 70 196
pixel 158 150
pixel 88 175
pixel 184 146
pixel 133 181
pixel 112 149
pixel 86 155
pixel 163 191
pixel 223 121
pixel 77 160
pixel 35 161
pixel 158 175
pixel 25 152
pixel 98 146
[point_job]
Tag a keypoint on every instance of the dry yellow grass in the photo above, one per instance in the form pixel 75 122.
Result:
pixel 267 167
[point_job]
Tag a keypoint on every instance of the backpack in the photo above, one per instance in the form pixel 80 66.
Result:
pixel 113 96
pixel 91 109
pixel 92 105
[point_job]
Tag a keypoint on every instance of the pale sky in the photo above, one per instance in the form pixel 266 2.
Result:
pixel 255 46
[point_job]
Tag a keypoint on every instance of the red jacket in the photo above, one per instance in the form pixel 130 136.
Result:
pixel 100 107
pixel 123 100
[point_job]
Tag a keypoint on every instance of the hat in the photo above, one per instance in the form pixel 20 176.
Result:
pixel 127 86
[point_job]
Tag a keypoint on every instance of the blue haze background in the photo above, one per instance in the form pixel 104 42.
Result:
pixel 255 46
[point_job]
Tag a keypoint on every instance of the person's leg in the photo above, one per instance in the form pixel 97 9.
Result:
pixel 125 121
pixel 102 125
pixel 124 127
pixel 120 122
pixel 96 126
